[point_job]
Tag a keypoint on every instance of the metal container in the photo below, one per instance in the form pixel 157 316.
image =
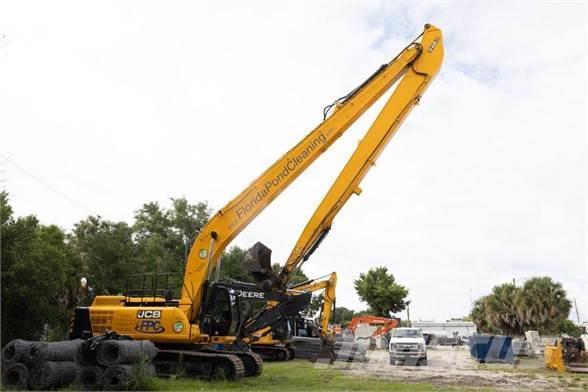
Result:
pixel 491 348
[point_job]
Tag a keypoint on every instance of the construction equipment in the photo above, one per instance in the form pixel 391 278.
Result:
pixel 276 346
pixel 204 328
pixel 383 326
pixel 567 355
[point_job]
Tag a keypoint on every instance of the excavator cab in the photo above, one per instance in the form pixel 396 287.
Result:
pixel 227 308
pixel 221 311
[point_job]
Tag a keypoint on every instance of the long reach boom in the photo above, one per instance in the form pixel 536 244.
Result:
pixel 415 67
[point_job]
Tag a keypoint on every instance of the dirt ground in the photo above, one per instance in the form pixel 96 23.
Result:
pixel 453 366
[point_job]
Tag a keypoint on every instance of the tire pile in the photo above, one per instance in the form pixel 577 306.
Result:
pixel 39 365
pixel 115 365
pixel 107 365
pixel 310 348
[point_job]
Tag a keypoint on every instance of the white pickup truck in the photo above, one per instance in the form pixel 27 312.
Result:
pixel 407 345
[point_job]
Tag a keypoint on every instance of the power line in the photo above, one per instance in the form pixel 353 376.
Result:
pixel 49 186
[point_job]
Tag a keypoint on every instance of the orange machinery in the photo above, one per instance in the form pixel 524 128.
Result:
pixel 386 324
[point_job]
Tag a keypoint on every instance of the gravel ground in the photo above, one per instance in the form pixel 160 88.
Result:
pixel 453 366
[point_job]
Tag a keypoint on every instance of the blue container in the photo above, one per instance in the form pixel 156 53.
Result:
pixel 491 348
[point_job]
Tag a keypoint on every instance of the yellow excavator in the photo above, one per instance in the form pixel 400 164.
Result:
pixel 204 330
pixel 275 345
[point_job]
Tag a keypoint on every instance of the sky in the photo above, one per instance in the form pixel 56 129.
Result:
pixel 107 105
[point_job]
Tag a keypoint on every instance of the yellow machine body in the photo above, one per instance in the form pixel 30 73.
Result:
pixel 553 357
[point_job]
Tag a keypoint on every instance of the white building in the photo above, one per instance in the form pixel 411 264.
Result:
pixel 448 328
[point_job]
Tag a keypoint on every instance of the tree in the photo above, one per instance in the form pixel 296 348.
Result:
pixel 5 210
pixel 379 290
pixel 37 277
pixel 503 308
pixel 188 219
pixel 107 254
pixel 164 236
pixel 161 249
pixel 479 315
pixel 364 312
pixel 342 315
pixel 232 266
pixel 316 304
pixel 543 304
pixel 568 327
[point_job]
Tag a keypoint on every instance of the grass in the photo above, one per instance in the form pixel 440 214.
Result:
pixel 533 368
pixel 293 376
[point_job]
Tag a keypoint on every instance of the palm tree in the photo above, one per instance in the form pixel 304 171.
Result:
pixel 543 304
pixel 480 316
pixel 502 309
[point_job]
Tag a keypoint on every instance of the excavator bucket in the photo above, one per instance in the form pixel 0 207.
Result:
pixel 258 261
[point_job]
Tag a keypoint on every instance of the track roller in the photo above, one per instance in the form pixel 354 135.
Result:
pixel 198 364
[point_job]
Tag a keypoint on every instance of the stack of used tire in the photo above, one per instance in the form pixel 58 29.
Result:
pixel 310 348
pixel 39 365
pixel 115 365
pixel 94 365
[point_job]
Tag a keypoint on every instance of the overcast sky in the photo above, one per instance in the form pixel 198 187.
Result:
pixel 115 104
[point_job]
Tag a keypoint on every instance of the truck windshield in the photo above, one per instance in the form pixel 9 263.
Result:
pixel 408 333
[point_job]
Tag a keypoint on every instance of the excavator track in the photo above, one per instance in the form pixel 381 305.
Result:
pixel 199 364
pixel 252 362
pixel 273 353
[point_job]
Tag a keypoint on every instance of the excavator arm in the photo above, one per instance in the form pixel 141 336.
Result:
pixel 329 296
pixel 417 75
pixel 356 321
pixel 418 63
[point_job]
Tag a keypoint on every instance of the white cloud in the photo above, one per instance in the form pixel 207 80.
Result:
pixel 119 104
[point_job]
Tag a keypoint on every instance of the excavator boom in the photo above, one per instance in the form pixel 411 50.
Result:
pixel 235 216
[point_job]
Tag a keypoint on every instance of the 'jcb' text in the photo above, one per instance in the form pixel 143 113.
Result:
pixel 150 314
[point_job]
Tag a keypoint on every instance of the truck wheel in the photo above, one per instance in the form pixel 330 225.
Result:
pixel 392 361
pixel 422 362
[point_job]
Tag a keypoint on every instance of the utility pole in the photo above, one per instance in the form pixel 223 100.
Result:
pixel 577 314
pixel 408 313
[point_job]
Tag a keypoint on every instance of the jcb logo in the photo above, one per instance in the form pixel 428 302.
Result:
pixel 149 326
pixel 149 314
